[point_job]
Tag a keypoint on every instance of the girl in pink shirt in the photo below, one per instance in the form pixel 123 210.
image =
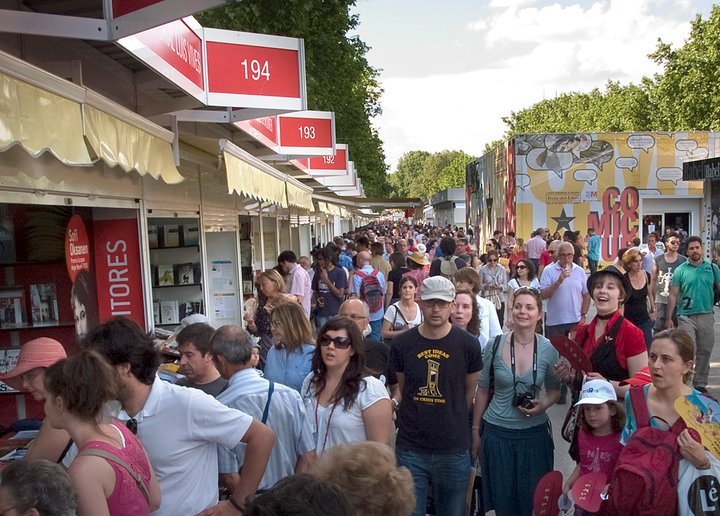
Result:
pixel 111 473
pixel 602 419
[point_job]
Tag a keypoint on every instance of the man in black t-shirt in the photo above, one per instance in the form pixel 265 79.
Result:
pixel 437 367
pixel 196 360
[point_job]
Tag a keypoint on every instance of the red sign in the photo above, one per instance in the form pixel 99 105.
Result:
pixel 118 271
pixel 266 72
pixel 122 7
pixel 254 70
pixel 178 46
pixel 306 132
pixel 77 247
pixel 337 163
pixel 617 223
pixel 262 129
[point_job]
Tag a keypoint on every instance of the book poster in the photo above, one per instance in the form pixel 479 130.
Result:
pixel 117 269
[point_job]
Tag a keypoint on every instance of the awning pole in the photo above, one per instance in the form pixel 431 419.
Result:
pixel 262 238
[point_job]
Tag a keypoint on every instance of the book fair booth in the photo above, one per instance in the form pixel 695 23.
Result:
pixel 142 181
pixel 621 184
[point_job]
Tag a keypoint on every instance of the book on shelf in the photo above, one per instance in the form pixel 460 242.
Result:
pixel 8 362
pixel 12 307
pixel 170 235
pixel 185 274
pixel 156 312
pixel 186 308
pixel 152 236
pixel 169 312
pixel 166 275
pixel 190 234
pixel 43 300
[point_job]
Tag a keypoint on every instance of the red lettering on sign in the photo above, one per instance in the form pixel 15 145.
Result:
pixel 617 224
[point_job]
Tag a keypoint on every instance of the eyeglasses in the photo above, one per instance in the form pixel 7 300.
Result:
pixel 131 424
pixel 518 267
pixel 440 303
pixel 673 242
pixel 339 342
pixel 526 290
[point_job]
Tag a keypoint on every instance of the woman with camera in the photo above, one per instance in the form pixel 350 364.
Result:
pixel 517 445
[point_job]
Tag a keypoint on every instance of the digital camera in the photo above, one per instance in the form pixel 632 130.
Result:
pixel 524 400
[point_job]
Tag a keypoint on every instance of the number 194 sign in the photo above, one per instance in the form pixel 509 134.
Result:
pixel 255 70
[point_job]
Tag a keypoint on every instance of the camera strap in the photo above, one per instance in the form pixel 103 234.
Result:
pixel 512 360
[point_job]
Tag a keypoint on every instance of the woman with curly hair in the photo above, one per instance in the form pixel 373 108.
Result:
pixel 345 403
pixel 370 477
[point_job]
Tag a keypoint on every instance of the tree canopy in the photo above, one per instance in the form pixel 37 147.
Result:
pixel 338 75
pixel 684 96
pixel 423 174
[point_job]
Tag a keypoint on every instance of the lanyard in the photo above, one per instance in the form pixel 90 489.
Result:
pixel 512 359
pixel 327 427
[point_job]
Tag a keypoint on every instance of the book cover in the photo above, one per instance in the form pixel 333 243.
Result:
pixel 171 235
pixel 12 303
pixel 191 234
pixel 166 275
pixel 169 312
pixel 8 362
pixel 43 299
pixel 184 274
pixel 156 312
pixel 152 236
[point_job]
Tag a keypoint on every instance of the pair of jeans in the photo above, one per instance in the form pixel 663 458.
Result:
pixel 376 326
pixel 701 328
pixel 592 265
pixel 447 472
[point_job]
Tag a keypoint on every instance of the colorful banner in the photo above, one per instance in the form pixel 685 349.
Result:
pixel 117 269
pixel 581 180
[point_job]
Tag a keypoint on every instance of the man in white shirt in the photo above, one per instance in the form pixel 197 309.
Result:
pixel 180 428
pixel 276 405
pixel 535 246
pixel 564 285
pixel 298 283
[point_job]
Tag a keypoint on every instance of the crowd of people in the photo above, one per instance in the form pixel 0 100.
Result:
pixel 368 377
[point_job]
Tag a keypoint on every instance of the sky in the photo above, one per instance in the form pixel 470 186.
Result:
pixel 451 70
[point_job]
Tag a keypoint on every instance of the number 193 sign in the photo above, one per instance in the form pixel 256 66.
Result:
pixel 254 70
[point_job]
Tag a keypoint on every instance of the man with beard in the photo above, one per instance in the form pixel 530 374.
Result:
pixel 691 291
pixel 180 428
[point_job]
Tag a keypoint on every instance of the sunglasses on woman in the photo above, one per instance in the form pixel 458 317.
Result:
pixel 521 267
pixel 339 342
pixel 526 290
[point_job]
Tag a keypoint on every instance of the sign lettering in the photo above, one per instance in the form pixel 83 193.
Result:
pixel 617 223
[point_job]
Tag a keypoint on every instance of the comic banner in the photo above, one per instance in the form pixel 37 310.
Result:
pixel 594 180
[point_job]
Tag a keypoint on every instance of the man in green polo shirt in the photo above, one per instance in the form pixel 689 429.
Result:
pixel 691 290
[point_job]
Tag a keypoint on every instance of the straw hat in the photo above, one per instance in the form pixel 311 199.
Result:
pixel 42 352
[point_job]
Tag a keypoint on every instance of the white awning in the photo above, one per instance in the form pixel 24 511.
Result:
pixel 300 196
pixel 247 175
pixel 40 121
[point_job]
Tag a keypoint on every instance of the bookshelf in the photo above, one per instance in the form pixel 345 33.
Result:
pixel 175 260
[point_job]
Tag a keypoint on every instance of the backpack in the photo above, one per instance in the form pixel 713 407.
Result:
pixel 645 479
pixel 448 268
pixel 370 290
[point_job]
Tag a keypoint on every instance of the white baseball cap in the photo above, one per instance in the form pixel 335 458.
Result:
pixel 596 392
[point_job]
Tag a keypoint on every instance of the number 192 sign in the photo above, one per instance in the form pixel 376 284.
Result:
pixel 255 70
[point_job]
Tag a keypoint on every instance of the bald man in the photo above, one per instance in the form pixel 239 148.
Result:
pixel 377 353
pixel 366 269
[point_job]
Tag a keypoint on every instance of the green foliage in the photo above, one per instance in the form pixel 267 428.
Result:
pixel 685 96
pixel 338 75
pixel 421 174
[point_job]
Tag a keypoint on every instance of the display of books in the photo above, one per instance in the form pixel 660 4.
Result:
pixel 166 275
pixel 8 361
pixel 43 299
pixel 152 236
pixel 191 234
pixel 169 312
pixel 184 274
pixel 188 308
pixel 12 308
pixel 170 235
